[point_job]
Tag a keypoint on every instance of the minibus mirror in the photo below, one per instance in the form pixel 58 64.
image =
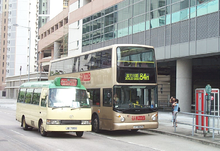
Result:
pixel 88 94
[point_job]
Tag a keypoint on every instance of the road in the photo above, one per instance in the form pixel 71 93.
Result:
pixel 13 137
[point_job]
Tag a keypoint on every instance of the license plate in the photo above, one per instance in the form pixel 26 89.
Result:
pixel 71 128
pixel 138 126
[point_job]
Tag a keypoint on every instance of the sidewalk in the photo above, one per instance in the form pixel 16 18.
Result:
pixel 184 131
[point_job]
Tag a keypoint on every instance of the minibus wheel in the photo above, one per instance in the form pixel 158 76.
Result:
pixel 79 134
pixel 24 125
pixel 41 129
pixel 95 124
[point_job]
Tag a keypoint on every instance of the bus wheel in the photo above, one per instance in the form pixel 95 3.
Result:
pixel 42 131
pixel 95 124
pixel 134 130
pixel 79 134
pixel 24 125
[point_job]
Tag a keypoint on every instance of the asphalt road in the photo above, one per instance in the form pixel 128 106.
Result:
pixel 13 137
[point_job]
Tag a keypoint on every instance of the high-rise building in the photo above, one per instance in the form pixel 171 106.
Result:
pixel 20 22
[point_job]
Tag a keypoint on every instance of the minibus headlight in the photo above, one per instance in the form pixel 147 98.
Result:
pixel 122 119
pixel 85 122
pixel 53 122
pixel 154 117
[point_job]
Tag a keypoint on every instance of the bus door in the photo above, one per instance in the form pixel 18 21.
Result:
pixel 106 113
pixel 43 103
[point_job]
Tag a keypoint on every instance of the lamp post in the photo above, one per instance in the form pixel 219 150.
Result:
pixel 29 30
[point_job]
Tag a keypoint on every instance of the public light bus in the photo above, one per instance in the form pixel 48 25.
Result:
pixel 59 105
pixel 126 70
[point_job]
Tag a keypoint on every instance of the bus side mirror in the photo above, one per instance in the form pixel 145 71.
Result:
pixel 44 94
pixel 88 94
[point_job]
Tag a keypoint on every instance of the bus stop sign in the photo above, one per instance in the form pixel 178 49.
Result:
pixel 208 89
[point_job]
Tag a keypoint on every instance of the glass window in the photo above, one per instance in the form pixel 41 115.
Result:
pixel 123 28
pixel 28 96
pixel 135 57
pixel 94 96
pixel 36 96
pixel 125 13
pixel 109 19
pixel 139 24
pixel 213 6
pixel 123 4
pixel 107 97
pixel 139 8
pixel 75 65
pixel 21 95
pixel 155 4
pixel 110 10
pixel 106 59
pixel 71 97
pixel 68 65
pixel 130 97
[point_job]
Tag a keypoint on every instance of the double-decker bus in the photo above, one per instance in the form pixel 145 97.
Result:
pixel 59 105
pixel 122 82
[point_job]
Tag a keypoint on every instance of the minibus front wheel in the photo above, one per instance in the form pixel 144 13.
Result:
pixel 79 134
pixel 41 129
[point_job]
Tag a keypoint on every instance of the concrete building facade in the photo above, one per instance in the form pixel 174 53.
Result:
pixel 185 34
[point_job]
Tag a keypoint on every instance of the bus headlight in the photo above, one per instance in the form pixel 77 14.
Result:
pixel 53 122
pixel 154 117
pixel 85 122
pixel 122 119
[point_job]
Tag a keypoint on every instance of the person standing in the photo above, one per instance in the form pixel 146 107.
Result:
pixel 175 111
pixel 172 100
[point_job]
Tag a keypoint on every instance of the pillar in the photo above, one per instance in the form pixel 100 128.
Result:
pixel 56 54
pixel 184 84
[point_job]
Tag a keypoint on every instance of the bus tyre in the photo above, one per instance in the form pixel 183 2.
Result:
pixel 79 134
pixel 42 131
pixel 24 125
pixel 95 124
pixel 134 130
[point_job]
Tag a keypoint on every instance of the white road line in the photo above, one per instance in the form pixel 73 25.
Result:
pixel 112 138
pixel 17 132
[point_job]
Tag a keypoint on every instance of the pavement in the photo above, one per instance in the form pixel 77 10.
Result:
pixel 183 129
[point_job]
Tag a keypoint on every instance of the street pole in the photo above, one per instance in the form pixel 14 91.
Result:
pixel 29 29
pixel 29 59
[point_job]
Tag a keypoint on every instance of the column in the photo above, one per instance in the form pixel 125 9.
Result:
pixel 184 84
pixel 56 54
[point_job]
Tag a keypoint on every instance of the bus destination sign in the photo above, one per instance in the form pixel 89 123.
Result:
pixel 136 76
pixel 68 82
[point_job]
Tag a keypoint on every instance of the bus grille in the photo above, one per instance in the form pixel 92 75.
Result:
pixel 70 122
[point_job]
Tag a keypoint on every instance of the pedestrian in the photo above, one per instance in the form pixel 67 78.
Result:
pixel 172 100
pixel 175 111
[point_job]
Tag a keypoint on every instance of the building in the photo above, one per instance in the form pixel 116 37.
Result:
pixel 185 34
pixel 20 22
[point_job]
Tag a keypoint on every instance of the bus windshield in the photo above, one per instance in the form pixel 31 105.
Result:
pixel 73 98
pixel 134 97
pixel 135 57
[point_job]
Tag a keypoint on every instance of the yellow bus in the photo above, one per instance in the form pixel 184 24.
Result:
pixel 59 105
pixel 122 82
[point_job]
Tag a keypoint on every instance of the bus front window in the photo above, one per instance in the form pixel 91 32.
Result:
pixel 73 98
pixel 135 97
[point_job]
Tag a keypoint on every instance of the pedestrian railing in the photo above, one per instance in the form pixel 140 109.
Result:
pixel 212 120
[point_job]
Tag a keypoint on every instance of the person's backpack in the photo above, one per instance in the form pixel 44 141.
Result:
pixel 178 109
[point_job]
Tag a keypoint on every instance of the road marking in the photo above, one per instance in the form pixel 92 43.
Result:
pixel 112 138
pixel 17 132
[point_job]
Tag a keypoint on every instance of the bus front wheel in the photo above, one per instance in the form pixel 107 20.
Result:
pixel 79 134
pixel 95 124
pixel 41 129
pixel 24 125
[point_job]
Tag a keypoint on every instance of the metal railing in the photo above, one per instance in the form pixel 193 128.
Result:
pixel 212 118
